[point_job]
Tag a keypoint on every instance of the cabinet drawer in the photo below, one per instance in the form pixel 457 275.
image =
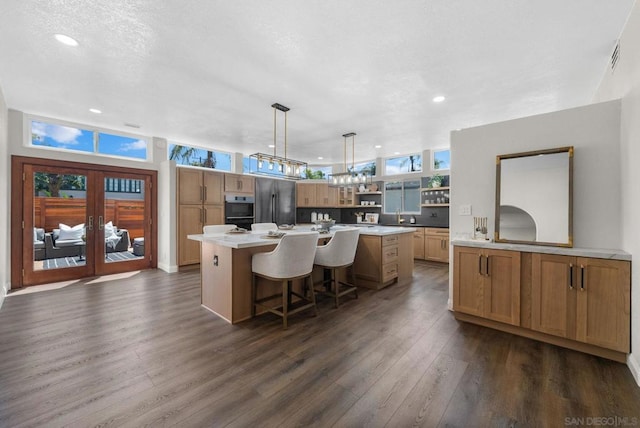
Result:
pixel 389 240
pixel 389 254
pixel 438 232
pixel 389 271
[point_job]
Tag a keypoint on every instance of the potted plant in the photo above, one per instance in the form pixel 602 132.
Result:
pixel 435 180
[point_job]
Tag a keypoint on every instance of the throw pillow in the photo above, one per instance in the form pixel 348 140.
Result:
pixel 71 233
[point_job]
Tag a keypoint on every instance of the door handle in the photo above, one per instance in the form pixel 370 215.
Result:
pixel 100 223
pixel 90 223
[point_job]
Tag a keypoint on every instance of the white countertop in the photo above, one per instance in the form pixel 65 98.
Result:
pixel 597 253
pixel 258 239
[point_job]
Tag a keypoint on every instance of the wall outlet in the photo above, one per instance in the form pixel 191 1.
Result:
pixel 464 210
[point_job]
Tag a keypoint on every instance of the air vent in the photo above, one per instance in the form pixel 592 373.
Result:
pixel 615 56
pixel 132 125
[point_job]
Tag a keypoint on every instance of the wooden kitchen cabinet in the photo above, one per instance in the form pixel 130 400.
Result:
pixel 316 195
pixel 382 260
pixel 306 195
pixel 436 244
pixel 486 283
pixel 583 299
pixel 239 184
pixel 200 201
pixel 418 243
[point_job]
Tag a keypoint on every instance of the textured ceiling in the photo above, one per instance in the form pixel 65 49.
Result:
pixel 206 72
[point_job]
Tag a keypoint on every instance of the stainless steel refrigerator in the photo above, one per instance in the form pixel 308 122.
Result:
pixel 275 201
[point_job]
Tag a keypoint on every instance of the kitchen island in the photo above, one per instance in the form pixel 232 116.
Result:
pixel 384 256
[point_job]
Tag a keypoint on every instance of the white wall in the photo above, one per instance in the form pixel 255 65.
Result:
pixel 593 130
pixel 624 83
pixel 167 234
pixel 5 178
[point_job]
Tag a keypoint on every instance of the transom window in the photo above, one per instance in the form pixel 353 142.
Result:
pixel 76 138
pixel 196 156
pixel 441 159
pixel 403 164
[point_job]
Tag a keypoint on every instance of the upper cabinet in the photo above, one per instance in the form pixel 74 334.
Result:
pixel 236 183
pixel 316 195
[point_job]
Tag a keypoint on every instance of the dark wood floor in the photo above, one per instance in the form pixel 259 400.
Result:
pixel 141 351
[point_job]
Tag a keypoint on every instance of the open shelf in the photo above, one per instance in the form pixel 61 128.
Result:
pixel 434 205
pixel 428 189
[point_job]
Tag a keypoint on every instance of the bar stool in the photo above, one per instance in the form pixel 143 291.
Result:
pixel 264 227
pixel 338 253
pixel 291 259
pixel 217 228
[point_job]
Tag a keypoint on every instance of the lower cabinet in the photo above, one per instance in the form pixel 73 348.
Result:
pixel 486 283
pixel 383 260
pixel 583 299
pixel 191 219
pixel 436 245
pixel 580 303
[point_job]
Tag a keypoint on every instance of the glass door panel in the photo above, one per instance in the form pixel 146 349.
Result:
pixel 123 220
pixel 57 227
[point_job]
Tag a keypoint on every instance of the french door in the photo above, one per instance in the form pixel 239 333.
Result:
pixel 79 220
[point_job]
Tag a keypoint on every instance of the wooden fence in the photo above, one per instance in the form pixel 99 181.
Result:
pixel 125 214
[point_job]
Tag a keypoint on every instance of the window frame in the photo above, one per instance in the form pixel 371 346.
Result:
pixel 28 142
pixel 385 160
pixel 181 165
pixel 433 159
pixel 403 210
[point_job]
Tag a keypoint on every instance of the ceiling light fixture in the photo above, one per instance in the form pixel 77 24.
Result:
pixel 95 110
pixel 438 99
pixel 66 40
pixel 377 146
pixel 350 177
pixel 290 168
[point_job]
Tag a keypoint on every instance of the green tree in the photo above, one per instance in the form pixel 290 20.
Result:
pixel 52 184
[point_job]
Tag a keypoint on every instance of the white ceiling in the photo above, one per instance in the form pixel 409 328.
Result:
pixel 206 72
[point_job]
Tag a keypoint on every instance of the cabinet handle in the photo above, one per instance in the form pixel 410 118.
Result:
pixel 582 277
pixel 570 276
pixel 205 194
pixel 202 215
pixel 240 184
pixel 480 264
pixel 201 194
pixel 487 264
pixel 205 215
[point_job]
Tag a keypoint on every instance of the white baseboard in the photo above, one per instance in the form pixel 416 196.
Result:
pixel 634 365
pixel 450 305
pixel 3 293
pixel 168 268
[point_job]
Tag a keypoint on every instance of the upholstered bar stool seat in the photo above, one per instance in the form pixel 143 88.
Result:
pixel 217 228
pixel 338 253
pixel 291 259
pixel 264 227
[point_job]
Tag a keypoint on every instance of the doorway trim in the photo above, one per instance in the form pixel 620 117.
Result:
pixel 18 193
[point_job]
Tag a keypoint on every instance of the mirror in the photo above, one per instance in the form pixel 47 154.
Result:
pixel 534 197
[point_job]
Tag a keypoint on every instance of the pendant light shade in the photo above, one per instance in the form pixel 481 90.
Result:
pixel 349 177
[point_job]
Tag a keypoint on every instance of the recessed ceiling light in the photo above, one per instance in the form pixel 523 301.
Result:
pixel 378 146
pixel 66 40
pixel 396 153
pixel 320 158
pixel 271 146
pixel 438 99
pixel 95 110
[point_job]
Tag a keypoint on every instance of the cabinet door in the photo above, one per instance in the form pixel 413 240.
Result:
pixel 306 195
pixel 501 286
pixel 213 214
pixel 467 281
pixel 418 244
pixel 333 195
pixel 603 303
pixel 213 188
pixel 191 217
pixel 322 194
pixel 190 188
pixel 436 248
pixel 237 183
pixel 553 294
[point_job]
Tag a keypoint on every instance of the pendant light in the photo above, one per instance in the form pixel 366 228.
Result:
pixel 349 177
